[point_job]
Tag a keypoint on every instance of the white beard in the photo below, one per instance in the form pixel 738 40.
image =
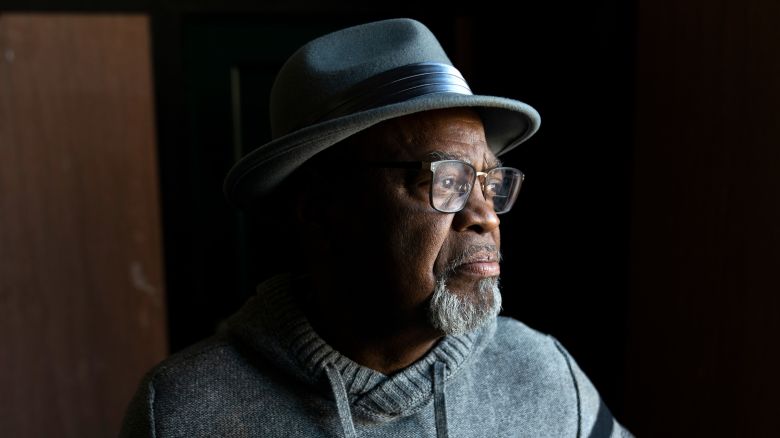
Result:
pixel 454 315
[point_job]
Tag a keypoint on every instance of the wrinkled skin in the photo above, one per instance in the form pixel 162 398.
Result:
pixel 376 246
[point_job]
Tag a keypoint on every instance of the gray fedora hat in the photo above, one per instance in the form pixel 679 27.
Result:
pixel 349 80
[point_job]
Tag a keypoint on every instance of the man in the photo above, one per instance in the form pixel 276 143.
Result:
pixel 384 167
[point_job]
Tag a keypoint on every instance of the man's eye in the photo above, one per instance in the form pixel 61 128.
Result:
pixel 492 186
pixel 447 183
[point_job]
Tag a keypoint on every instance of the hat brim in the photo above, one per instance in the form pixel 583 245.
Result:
pixel 507 123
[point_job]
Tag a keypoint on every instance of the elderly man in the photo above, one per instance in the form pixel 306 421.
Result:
pixel 385 166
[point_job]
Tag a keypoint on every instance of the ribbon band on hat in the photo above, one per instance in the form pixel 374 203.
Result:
pixel 397 85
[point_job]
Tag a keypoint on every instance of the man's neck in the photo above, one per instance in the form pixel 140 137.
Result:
pixel 381 344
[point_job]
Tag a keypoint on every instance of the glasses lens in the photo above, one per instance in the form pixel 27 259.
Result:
pixel 452 182
pixel 501 186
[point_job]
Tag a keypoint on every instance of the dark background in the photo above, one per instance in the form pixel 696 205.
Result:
pixel 646 236
pixel 566 242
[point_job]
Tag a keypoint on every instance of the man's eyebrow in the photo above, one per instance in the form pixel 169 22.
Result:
pixel 441 155
pixel 490 162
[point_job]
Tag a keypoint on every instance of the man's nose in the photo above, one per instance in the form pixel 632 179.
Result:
pixel 478 214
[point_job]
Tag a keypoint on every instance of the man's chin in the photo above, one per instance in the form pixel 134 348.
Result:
pixel 453 311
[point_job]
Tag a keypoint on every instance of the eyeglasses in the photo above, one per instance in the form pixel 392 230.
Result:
pixel 453 180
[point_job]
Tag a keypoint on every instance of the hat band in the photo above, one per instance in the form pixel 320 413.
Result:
pixel 394 86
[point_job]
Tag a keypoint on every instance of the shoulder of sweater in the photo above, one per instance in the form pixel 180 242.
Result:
pixel 544 357
pixel 528 352
pixel 206 357
pixel 161 385
pixel 512 334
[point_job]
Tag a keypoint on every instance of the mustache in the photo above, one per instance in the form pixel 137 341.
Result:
pixel 473 253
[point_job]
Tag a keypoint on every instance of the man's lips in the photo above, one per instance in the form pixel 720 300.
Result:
pixel 480 265
pixel 479 269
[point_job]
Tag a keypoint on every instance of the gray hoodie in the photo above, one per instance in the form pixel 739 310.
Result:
pixel 266 373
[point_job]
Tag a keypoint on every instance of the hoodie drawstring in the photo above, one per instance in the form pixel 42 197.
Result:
pixel 439 404
pixel 342 402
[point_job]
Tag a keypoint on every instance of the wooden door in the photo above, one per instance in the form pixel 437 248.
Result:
pixel 82 308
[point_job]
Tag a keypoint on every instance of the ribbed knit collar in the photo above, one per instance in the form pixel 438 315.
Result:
pixel 273 323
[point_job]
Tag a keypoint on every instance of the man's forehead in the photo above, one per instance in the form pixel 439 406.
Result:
pixel 488 159
pixel 451 134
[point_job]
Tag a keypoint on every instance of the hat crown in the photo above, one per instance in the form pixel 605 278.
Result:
pixel 327 67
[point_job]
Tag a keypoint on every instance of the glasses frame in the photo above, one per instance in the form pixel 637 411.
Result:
pixel 432 165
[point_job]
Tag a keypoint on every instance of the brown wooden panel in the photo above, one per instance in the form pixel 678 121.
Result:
pixel 705 312
pixel 81 281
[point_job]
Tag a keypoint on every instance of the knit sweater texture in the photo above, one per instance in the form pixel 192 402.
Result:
pixel 267 373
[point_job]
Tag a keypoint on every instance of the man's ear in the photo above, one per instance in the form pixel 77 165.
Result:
pixel 311 208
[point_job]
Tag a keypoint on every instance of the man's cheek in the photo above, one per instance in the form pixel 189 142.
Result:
pixel 433 244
